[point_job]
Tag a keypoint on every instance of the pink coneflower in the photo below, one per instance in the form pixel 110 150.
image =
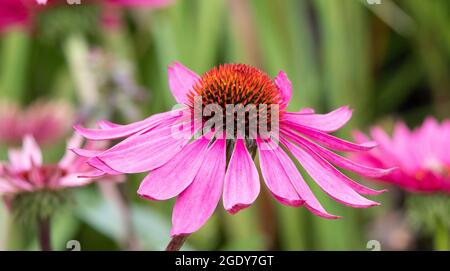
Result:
pixel 25 171
pixel 34 191
pixel 46 121
pixel 422 155
pixel 13 13
pixel 199 170
pixel 22 12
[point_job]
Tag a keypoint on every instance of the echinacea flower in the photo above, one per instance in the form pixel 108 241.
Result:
pixel 46 121
pixel 421 155
pixel 13 13
pixel 22 12
pixel 25 171
pixel 34 192
pixel 200 169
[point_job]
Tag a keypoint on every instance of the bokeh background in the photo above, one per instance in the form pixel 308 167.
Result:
pixel 386 59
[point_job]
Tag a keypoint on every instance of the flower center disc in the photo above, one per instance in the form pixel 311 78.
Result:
pixel 243 93
pixel 236 84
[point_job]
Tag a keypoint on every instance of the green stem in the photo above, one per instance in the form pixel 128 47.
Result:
pixel 13 65
pixel 441 237
pixel 77 55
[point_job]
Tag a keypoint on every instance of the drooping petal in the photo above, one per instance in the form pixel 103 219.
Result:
pixel 106 124
pixel 125 130
pixel 173 177
pixel 338 176
pixel 241 187
pixel 6 187
pixel 284 168
pixel 181 81
pixel 86 153
pixel 327 179
pixel 73 180
pixel 285 87
pixel 306 110
pixel 144 152
pixel 278 173
pixel 100 165
pixel 330 122
pixel 343 162
pixel 330 141
pixel 197 203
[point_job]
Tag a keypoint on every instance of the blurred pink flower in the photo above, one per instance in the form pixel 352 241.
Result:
pixel 141 3
pixel 13 13
pixel 21 12
pixel 421 155
pixel 46 121
pixel 25 171
pixel 196 169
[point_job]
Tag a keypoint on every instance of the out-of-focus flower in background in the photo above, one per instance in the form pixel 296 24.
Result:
pixel 46 121
pixel 25 171
pixel 34 191
pixel 22 12
pixel 13 13
pixel 197 171
pixel 422 155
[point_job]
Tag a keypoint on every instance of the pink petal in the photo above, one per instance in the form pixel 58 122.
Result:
pixel 280 167
pixel 30 155
pixel 6 187
pixel 69 157
pixel 327 179
pixel 173 177
pixel 92 173
pixel 306 146
pixel 144 152
pixel 73 180
pixel 306 110
pixel 341 161
pixel 32 151
pixel 330 141
pixel 125 130
pixel 285 87
pixel 197 203
pixel 241 187
pixel 330 122
pixel 100 165
pixel 86 153
pixel 181 81
pixel 105 124
pixel 279 173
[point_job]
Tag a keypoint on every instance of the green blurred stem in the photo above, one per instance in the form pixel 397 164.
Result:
pixel 441 237
pixel 176 243
pixel 13 64
pixel 77 55
pixel 44 234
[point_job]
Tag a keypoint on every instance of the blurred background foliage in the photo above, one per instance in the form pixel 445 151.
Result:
pixel 387 61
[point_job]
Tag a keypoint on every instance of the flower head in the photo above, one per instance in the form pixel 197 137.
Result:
pixel 204 150
pixel 13 13
pixel 421 155
pixel 26 172
pixel 22 12
pixel 45 121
